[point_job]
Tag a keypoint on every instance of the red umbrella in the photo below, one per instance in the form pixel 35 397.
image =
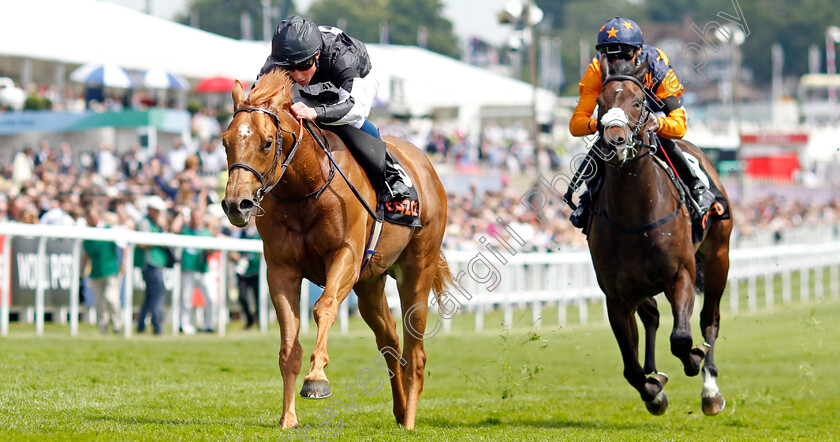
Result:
pixel 217 84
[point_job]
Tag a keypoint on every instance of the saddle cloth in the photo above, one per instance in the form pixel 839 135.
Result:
pixel 405 212
pixel 701 222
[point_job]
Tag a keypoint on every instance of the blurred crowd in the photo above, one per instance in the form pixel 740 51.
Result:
pixel 49 184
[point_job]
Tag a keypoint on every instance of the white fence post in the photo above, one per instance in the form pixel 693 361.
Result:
pixel 128 309
pixel 262 295
pixel 74 288
pixel 6 289
pixel 769 292
pixel 787 287
pixel 222 311
pixel 304 306
pixel 40 287
pixel 804 276
pixel 734 286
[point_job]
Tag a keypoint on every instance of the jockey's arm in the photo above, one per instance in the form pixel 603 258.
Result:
pixel 582 123
pixel 673 124
pixel 355 99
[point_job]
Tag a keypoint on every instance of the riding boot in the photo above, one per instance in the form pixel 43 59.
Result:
pixel 394 180
pixel 702 197
pixel 592 172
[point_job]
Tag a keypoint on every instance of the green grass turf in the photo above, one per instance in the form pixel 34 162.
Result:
pixel 778 372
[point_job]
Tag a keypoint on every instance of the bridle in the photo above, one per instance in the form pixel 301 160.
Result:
pixel 637 142
pixel 278 152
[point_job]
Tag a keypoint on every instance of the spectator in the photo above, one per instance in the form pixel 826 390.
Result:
pixel 152 259
pixel 194 271
pixel 104 277
pixel 247 275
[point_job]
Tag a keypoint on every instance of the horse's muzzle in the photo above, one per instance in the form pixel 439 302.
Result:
pixel 238 210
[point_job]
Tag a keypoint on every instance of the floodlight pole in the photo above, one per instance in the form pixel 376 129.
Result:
pixel 832 35
pixel 532 67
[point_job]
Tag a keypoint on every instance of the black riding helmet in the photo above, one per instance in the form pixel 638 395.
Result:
pixel 296 40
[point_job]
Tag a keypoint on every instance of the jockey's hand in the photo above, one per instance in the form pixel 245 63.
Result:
pixel 302 111
pixel 652 124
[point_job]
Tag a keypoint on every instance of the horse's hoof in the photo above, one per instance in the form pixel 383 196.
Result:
pixel 315 389
pixel 286 424
pixel 658 405
pixel 695 358
pixel 714 404
pixel 660 377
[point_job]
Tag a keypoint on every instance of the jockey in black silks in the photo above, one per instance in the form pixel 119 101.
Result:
pixel 333 88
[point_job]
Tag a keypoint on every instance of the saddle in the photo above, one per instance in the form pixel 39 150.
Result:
pixel 372 155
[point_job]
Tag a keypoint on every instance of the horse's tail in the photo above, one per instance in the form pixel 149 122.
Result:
pixel 443 277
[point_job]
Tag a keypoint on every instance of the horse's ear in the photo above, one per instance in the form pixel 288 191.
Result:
pixel 238 95
pixel 605 68
pixel 641 71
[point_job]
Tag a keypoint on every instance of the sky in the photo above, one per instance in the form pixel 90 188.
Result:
pixel 470 17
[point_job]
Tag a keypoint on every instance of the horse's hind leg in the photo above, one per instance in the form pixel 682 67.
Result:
pixel 716 270
pixel 373 306
pixel 649 315
pixel 681 296
pixel 624 327
pixel 415 286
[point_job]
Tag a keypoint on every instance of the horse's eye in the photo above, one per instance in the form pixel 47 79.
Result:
pixel 268 143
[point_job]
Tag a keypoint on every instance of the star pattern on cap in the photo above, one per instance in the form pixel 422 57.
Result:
pixel 628 25
pixel 612 33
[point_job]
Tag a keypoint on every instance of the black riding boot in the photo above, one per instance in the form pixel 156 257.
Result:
pixel 394 180
pixel 580 216
pixel 702 196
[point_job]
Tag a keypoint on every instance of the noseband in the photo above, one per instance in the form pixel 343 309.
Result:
pixel 644 117
pixel 278 151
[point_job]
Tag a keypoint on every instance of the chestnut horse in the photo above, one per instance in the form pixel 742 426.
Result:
pixel 641 244
pixel 316 227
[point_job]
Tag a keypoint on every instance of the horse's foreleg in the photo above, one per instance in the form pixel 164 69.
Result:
pixel 716 270
pixel 623 325
pixel 340 279
pixel 373 306
pixel 285 295
pixel 681 296
pixel 649 315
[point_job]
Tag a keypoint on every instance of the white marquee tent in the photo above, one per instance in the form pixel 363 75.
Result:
pixel 67 33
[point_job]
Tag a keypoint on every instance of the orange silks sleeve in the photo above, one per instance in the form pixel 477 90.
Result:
pixel 581 123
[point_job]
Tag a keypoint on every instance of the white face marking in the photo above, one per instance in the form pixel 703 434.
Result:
pixel 245 132
pixel 615 117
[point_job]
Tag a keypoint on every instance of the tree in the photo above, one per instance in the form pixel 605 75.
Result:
pixel 363 18
pixel 223 17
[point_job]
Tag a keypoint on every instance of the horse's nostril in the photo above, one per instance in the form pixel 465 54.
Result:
pixel 246 205
pixel 618 140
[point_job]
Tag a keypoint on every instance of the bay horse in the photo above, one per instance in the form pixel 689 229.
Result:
pixel 641 245
pixel 315 227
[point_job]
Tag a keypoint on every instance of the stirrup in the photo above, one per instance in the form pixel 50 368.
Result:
pixel 580 216
pixel 399 191
pixel 703 198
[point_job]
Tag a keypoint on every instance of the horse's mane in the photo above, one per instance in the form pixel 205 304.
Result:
pixel 272 84
pixel 623 67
